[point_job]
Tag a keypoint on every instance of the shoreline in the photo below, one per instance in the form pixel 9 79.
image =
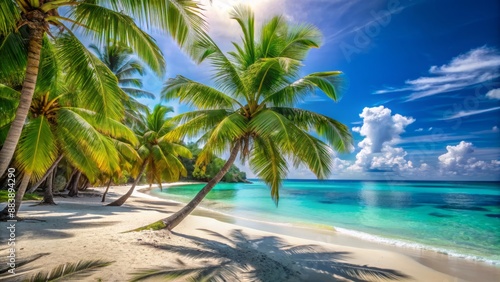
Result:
pixel 82 228
pixel 445 261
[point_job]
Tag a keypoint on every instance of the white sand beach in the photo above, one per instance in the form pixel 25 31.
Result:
pixel 82 229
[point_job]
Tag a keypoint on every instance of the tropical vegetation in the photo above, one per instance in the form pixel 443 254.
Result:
pixel 208 171
pixel 82 109
pixel 43 41
pixel 159 157
pixel 25 28
pixel 252 110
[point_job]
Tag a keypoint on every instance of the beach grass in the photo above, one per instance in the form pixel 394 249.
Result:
pixel 4 196
pixel 158 225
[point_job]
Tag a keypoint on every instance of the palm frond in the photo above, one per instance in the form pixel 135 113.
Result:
pixel 90 142
pixel 107 126
pixel 157 119
pixel 127 151
pixel 293 141
pixel 226 76
pixel 227 131
pixel 24 261
pixel 192 124
pixel 297 91
pixel 271 37
pixel 270 73
pixel 268 163
pixel 246 19
pixel 135 82
pixel 9 99
pixel 336 133
pixel 37 148
pixel 222 272
pixel 299 40
pixel 98 85
pixel 129 68
pixel 9 16
pixel 118 27
pixel 14 46
pixel 49 69
pixel 138 93
pixel 196 94
pixel 182 19
pixel 77 270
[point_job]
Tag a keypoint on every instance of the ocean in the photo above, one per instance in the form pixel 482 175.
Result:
pixel 457 218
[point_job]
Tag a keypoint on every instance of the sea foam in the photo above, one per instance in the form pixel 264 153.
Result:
pixel 412 245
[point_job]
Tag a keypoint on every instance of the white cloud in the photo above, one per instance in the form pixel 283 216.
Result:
pixel 474 67
pixel 494 94
pixel 461 114
pixel 495 128
pixel 381 130
pixel 380 126
pixel 459 160
pixel 419 130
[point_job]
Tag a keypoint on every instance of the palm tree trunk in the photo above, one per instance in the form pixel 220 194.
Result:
pixel 73 188
pixel 106 192
pixel 18 198
pixel 70 179
pixel 34 50
pixel 48 198
pixel 120 201
pixel 172 221
pixel 159 183
pixel 49 172
pixel 85 184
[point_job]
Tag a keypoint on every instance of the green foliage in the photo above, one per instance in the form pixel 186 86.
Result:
pixel 252 105
pixel 65 271
pixel 4 196
pixel 223 272
pixel 207 172
pixel 24 23
pixel 158 225
pixel 161 155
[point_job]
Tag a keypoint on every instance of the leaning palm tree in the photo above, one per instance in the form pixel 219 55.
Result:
pixel 159 155
pixel 26 24
pixel 251 110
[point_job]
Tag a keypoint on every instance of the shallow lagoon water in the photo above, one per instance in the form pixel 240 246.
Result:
pixel 457 218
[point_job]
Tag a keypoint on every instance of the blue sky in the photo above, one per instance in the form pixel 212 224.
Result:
pixel 422 96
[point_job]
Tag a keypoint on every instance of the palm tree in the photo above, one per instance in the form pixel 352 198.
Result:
pixel 26 24
pixel 120 61
pixel 251 110
pixel 159 155
pixel 57 126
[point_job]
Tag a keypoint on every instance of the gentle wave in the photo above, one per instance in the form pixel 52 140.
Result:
pixel 412 245
pixel 357 234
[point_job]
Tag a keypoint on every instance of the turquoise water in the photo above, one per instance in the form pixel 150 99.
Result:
pixel 457 218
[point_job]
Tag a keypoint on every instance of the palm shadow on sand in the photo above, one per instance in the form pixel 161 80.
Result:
pixel 267 258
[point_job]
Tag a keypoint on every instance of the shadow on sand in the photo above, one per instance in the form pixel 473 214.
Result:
pixel 268 258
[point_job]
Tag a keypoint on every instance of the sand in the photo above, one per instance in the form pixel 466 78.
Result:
pixel 83 229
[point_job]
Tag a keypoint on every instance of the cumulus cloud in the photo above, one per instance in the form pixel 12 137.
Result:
pixel 494 94
pixel 381 130
pixel 460 160
pixel 474 67
pixel 380 127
